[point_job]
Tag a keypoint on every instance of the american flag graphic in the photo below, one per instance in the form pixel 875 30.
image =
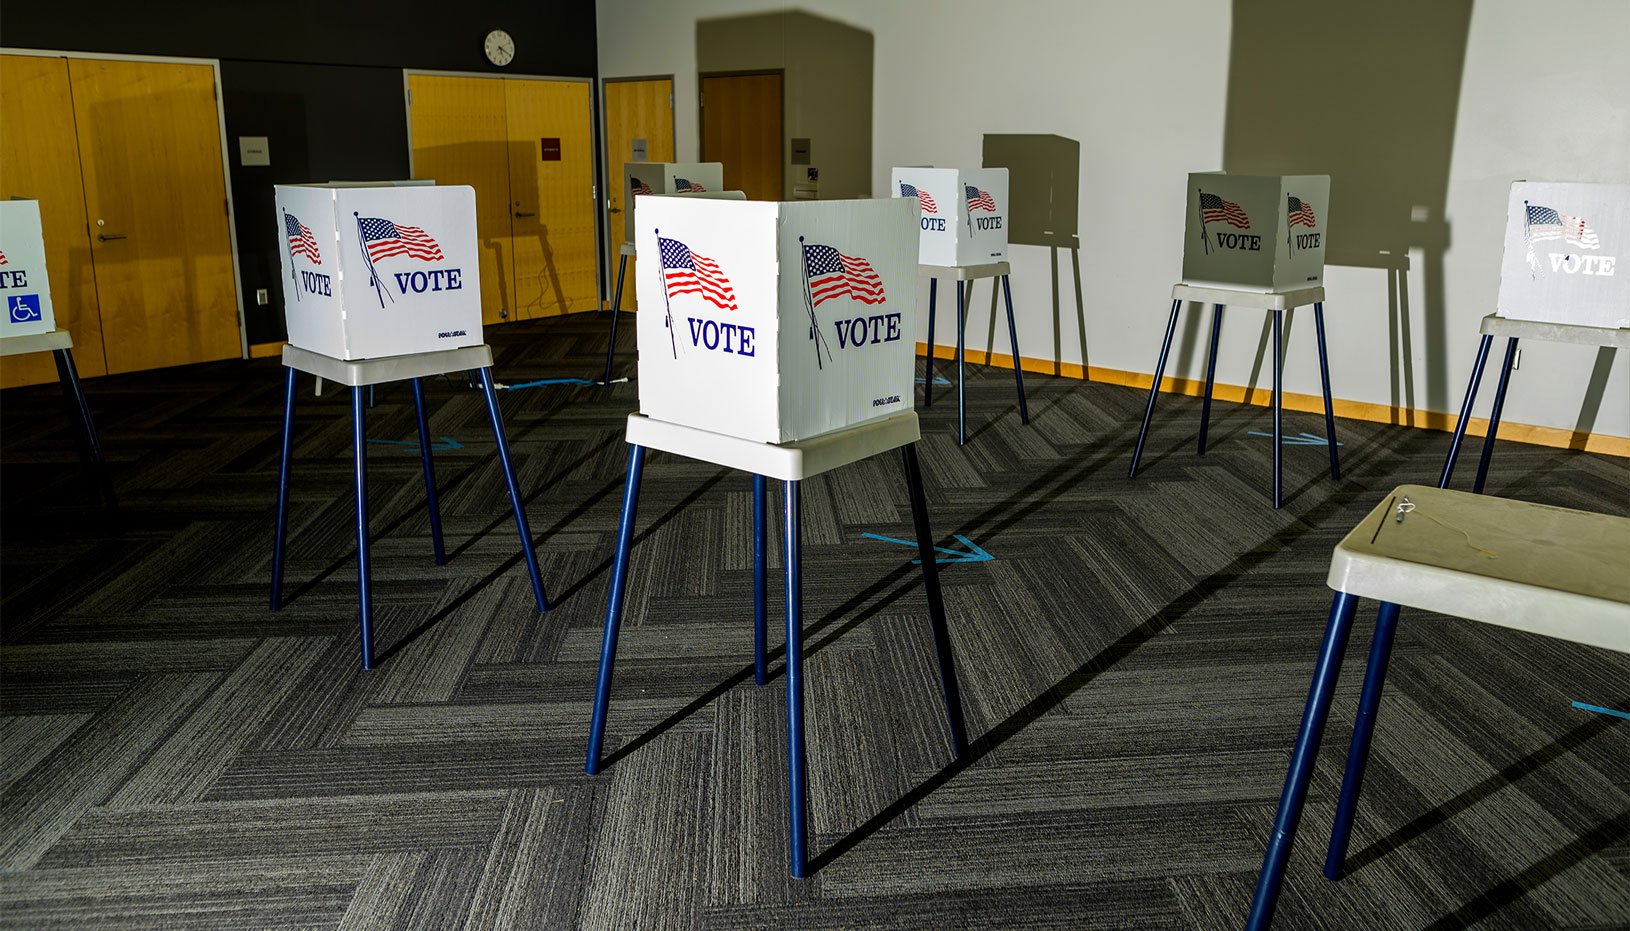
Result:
pixel 681 186
pixel 686 272
pixel 384 239
pixel 3 259
pixel 911 190
pixel 1545 223
pixel 1214 209
pixel 1301 212
pixel 833 274
pixel 301 242
pixel 979 200
pixel 639 187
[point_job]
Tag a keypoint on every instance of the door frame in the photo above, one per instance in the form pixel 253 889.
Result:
pixel 701 115
pixel 603 163
pixel 226 164
pixel 595 131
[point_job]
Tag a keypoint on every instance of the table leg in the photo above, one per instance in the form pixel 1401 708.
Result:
pixel 1301 761
pixel 1278 410
pixel 795 686
pixel 429 472
pixel 279 535
pixel 936 601
pixel 614 606
pixel 365 593
pixel 961 368
pixel 68 375
pixel 1494 416
pixel 616 304
pixel 1154 389
pixel 1465 410
pixel 760 663
pixel 514 488
pixel 1329 406
pixel 1013 341
pixel 928 363
pixel 1211 375
pixel 1358 752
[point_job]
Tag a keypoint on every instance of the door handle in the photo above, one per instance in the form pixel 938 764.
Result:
pixel 103 237
pixel 520 214
pixel 615 209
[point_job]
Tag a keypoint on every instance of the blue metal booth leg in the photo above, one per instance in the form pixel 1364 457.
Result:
pixel 1358 752
pixel 961 368
pixel 1154 389
pixel 616 304
pixel 1211 374
pixel 1494 416
pixel 1466 411
pixel 365 594
pixel 429 472
pixel 68 375
pixel 1278 409
pixel 936 601
pixel 1013 341
pixel 795 685
pixel 280 534
pixel 614 607
pixel 1301 761
pixel 1329 407
pixel 760 664
pixel 928 363
pixel 514 488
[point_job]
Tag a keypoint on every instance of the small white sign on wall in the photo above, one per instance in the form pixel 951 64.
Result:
pixel 776 321
pixel 23 282
pixel 1566 247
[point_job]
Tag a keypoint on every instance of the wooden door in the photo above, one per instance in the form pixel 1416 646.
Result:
pixel 39 160
pixel 551 196
pixel 150 155
pixel 634 110
pixel 741 127
pixel 459 136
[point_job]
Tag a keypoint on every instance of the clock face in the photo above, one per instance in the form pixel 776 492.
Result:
pixel 500 48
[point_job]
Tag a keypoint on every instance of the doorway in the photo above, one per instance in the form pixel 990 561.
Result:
pixel 741 128
pixel 639 128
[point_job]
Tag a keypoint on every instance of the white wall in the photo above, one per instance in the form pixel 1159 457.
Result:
pixel 1142 86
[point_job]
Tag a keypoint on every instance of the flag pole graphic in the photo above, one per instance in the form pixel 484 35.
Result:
pixel 809 304
pixel 1287 229
pixel 294 276
pixel 673 343
pixel 1202 213
pixel 379 286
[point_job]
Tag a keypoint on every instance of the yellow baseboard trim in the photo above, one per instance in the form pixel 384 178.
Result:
pixel 1557 437
pixel 263 350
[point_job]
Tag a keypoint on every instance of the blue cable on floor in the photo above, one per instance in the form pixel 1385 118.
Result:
pixel 1601 710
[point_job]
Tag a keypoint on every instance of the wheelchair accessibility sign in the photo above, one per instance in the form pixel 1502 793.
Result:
pixel 24 308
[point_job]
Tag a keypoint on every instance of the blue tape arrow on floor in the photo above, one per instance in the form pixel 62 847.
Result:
pixel 1600 710
pixel 1300 439
pixel 977 555
pixel 447 442
pixel 548 381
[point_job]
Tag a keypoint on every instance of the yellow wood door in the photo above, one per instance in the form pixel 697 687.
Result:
pixel 741 127
pixel 39 160
pixel 459 136
pixel 150 154
pixel 634 110
pixel 551 196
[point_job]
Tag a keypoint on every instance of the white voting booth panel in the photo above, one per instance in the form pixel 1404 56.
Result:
pixel 23 282
pixel 380 270
pixel 1256 232
pixel 776 321
pixel 964 213
pixel 667 178
pixel 1565 252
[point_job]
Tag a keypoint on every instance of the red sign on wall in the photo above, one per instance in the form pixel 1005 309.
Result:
pixel 551 150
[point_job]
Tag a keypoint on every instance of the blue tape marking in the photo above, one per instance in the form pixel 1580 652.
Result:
pixel 447 442
pixel 937 380
pixel 549 381
pixel 1600 710
pixel 1303 439
pixel 978 554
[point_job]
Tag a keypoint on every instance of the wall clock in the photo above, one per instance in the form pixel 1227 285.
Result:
pixel 500 48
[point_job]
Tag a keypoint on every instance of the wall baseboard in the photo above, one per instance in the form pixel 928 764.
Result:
pixel 1557 437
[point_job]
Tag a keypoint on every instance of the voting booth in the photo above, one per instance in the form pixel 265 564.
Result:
pixel 964 213
pixel 1256 232
pixel 379 270
pixel 23 282
pixel 667 178
pixel 1565 246
pixel 776 321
